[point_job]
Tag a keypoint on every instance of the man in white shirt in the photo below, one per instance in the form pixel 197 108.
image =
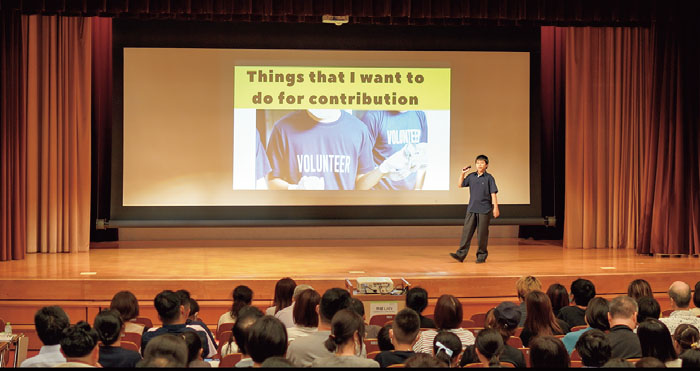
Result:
pixel 49 323
pixel 679 292
pixel 286 315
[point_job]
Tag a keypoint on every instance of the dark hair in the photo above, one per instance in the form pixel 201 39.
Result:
pixel 618 363
pixel 332 301
pixel 242 296
pixel 344 325
pixel 78 340
pixel 166 350
pixel 540 318
pixel 267 337
pixel 194 307
pixel 686 335
pixel 489 343
pixel 406 326
pixel 638 289
pixel 276 362
pixel 423 360
pixel 558 296
pixel 357 306
pixel 655 340
pixel 583 291
pixel 696 295
pixel 167 305
pixel 246 317
pixel 184 296
pixel 417 299
pixel 449 342
pixel 691 358
pixel 649 362
pixel 49 323
pixel 194 345
pixel 622 307
pixel 383 338
pixel 648 307
pixel 482 157
pixel 548 352
pixel 594 348
pixel 597 314
pixel 126 304
pixel 469 356
pixel 448 313
pixel 108 325
pixel 284 289
pixel 304 312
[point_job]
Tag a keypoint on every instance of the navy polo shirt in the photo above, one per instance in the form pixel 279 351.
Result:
pixel 480 189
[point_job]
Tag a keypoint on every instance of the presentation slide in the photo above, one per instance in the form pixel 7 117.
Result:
pixel 244 127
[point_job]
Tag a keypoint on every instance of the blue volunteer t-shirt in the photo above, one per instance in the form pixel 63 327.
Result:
pixel 336 151
pixel 262 164
pixel 390 131
pixel 480 189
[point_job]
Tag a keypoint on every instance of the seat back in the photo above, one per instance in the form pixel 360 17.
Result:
pixel 144 321
pixel 396 365
pixel 578 328
pixel 381 319
pixel 479 319
pixel 222 328
pixel 575 356
pixel 515 342
pixel 230 360
pixel 129 345
pixel 372 345
pixel 526 354
pixel 21 349
pixel 132 337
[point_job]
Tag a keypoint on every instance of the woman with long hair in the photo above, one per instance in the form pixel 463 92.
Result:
pixel 489 347
pixel 558 296
pixel 242 296
pixel 305 316
pixel 345 342
pixel 540 318
pixel 448 317
pixel 447 347
pixel 638 289
pixel 656 342
pixel 284 290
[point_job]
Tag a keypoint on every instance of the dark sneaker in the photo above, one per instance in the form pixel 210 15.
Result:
pixel 458 257
pixel 479 261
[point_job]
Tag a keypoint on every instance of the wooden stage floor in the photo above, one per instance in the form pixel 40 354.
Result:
pixel 212 268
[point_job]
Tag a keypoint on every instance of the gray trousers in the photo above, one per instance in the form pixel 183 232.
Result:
pixel 472 222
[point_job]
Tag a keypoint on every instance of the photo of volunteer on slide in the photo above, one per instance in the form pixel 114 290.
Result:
pixel 333 149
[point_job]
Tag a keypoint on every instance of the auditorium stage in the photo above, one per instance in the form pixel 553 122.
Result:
pixel 210 269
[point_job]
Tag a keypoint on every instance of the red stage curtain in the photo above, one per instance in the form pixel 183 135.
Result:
pixel 608 84
pixel 56 55
pixel 13 152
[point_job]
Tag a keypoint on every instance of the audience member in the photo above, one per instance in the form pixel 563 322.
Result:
pixel 524 286
pixel 384 339
pixel 304 314
pixel 417 299
pixel 648 307
pixel 540 320
pixel 172 313
pixel 194 311
pixel 79 345
pixel 358 306
pixel 345 342
pixel 304 350
pixel 582 291
pixel 594 348
pixel 194 350
pixel 276 362
pixel 267 337
pixel 691 359
pixel 286 315
pixel 696 299
pixel 624 343
pixel 596 318
pixel 506 317
pixel 185 297
pixel 679 293
pixel 403 333
pixel 242 296
pixel 192 320
pixel 166 350
pixel 686 337
pixel 656 342
pixel 447 348
pixel 638 289
pixel 489 347
pixel 548 352
pixel 110 329
pixel 422 360
pixel 284 290
pixel 126 304
pixel 618 363
pixel 558 296
pixel 49 323
pixel 448 317
pixel 237 342
pixel 649 362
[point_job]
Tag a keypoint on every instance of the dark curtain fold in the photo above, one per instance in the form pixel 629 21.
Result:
pixel 13 150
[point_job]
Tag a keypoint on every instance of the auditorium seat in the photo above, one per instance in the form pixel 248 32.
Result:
pixel 222 328
pixel 526 354
pixel 575 356
pixel 397 365
pixel 223 340
pixel 371 355
pixel 578 328
pixel 132 338
pixel 144 321
pixel 230 360
pixel 129 345
pixel 371 345
pixel 381 319
pixel 479 319
pixel 666 313
pixel 518 331
pixel 576 364
pixel 515 342
pixel 467 323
